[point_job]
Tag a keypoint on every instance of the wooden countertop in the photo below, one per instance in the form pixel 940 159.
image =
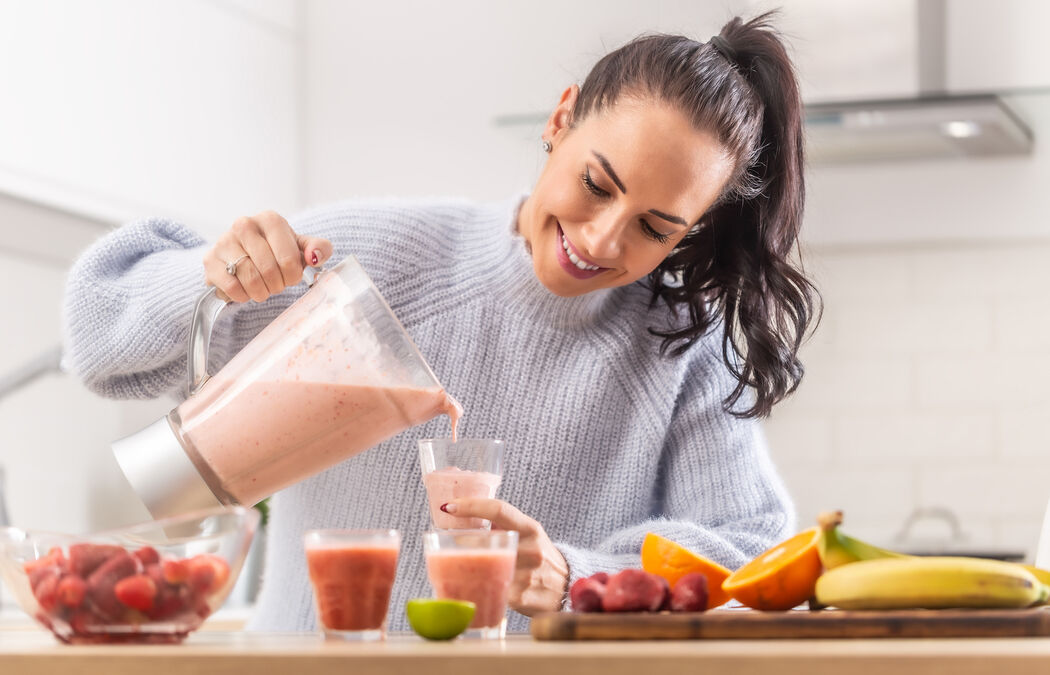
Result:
pixel 31 651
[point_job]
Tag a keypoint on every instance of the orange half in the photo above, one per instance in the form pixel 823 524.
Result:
pixel 782 577
pixel 672 561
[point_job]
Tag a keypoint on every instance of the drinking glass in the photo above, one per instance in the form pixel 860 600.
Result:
pixel 352 573
pixel 468 467
pixel 474 565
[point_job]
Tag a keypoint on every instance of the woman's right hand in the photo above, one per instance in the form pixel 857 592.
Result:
pixel 269 257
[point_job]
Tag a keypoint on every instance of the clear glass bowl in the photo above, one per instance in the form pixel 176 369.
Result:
pixel 153 582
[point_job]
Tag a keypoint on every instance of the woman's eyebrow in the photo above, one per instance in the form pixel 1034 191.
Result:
pixel 673 219
pixel 619 183
pixel 609 170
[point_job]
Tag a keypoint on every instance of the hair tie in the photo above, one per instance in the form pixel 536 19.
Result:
pixel 723 48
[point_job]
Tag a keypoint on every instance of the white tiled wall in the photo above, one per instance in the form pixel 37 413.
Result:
pixel 926 386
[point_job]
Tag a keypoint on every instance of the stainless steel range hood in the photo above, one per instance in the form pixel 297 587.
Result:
pixel 920 128
pixel 929 127
pixel 934 123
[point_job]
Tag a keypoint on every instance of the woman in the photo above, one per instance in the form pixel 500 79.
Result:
pixel 621 326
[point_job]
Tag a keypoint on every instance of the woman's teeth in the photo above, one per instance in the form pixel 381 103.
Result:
pixel 574 258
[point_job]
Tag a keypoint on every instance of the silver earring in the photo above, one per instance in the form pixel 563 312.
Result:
pixel 547 147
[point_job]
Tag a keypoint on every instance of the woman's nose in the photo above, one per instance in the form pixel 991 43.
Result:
pixel 601 237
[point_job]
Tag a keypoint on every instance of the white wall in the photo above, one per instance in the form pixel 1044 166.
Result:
pixel 997 45
pixel 925 387
pixel 126 108
pixel 114 110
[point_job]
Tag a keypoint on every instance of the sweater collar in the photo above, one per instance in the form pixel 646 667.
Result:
pixel 523 292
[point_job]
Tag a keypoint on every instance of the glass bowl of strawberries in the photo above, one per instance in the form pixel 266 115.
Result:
pixel 153 582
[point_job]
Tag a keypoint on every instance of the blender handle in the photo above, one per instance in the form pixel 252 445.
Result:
pixel 208 308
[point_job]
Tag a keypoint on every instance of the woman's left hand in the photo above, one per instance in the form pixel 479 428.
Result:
pixel 541 573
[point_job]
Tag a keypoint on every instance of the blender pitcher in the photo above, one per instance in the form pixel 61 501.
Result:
pixel 332 376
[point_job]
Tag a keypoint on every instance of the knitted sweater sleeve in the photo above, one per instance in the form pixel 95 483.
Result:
pixel 127 308
pixel 718 492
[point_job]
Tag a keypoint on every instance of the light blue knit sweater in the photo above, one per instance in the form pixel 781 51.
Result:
pixel 606 440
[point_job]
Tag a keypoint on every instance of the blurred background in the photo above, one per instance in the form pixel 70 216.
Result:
pixel 923 410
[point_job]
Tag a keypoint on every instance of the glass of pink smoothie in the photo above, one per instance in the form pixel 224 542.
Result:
pixel 468 467
pixel 352 573
pixel 474 565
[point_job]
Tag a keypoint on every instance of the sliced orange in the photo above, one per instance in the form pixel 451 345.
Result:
pixel 782 577
pixel 672 561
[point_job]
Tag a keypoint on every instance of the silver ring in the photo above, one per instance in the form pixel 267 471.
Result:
pixel 231 267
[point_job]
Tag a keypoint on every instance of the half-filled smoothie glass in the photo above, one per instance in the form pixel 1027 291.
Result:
pixel 474 565
pixel 468 467
pixel 352 574
pixel 333 375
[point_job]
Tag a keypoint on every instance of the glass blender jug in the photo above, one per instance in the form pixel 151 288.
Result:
pixel 333 375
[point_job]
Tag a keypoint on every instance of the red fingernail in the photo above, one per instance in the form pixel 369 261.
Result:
pixel 444 507
pixel 314 258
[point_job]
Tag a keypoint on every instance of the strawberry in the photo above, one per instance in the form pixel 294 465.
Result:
pixel 86 558
pixel 137 592
pixel 586 595
pixel 634 590
pixel 202 576
pixel 40 573
pixel 690 593
pixel 71 590
pixel 203 608
pixel 46 592
pixel 103 580
pixel 54 558
pixel 83 622
pixel 208 573
pixel 169 600
pixel 147 555
pixel 175 571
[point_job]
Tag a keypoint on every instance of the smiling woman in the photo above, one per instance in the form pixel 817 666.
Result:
pixel 722 148
pixel 619 327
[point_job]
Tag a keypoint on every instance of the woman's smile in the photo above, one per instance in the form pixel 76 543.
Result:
pixel 571 260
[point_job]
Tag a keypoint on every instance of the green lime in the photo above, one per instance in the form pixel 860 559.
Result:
pixel 439 619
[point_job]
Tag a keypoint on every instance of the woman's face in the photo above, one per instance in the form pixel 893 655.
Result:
pixel 618 192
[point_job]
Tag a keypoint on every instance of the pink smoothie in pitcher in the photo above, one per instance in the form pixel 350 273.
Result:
pixel 315 387
pixel 252 440
pixel 450 483
pixel 481 576
pixel 352 584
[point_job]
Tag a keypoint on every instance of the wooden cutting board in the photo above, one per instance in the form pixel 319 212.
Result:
pixel 746 624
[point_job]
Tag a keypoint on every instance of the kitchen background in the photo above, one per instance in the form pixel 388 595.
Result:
pixel 926 385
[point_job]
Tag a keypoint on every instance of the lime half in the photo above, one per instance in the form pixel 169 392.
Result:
pixel 439 619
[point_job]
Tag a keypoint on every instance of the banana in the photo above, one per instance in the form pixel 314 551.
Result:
pixel 837 549
pixel 931 583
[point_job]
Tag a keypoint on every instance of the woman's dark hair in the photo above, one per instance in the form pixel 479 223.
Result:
pixel 735 266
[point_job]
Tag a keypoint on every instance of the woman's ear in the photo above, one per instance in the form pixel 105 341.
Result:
pixel 561 117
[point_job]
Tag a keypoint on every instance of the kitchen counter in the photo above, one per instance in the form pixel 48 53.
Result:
pixel 28 651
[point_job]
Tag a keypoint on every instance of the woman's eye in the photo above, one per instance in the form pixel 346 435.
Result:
pixel 653 234
pixel 591 186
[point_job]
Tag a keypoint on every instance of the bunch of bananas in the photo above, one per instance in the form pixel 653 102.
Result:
pixel 861 576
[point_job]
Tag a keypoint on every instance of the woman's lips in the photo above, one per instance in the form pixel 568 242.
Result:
pixel 566 264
